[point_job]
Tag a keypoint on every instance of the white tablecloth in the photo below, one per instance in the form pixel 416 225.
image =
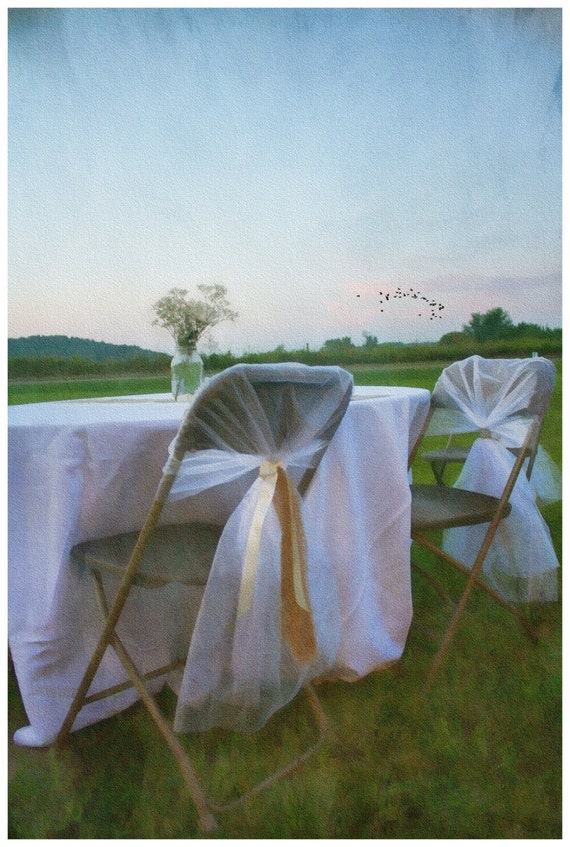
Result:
pixel 86 469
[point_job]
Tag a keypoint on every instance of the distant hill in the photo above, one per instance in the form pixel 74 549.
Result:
pixel 61 346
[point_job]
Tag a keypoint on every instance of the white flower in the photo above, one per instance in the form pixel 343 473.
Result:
pixel 187 320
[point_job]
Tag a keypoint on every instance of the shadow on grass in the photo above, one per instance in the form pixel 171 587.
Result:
pixel 479 757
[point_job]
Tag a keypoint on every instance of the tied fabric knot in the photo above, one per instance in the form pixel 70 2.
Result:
pixel 296 617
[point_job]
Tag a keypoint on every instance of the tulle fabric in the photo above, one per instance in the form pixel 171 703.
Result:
pixel 240 670
pixel 521 563
pixel 496 397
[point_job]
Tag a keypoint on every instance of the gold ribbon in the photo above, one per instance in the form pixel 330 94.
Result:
pixel 296 618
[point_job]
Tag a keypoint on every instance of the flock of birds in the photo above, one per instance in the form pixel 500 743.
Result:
pixel 432 308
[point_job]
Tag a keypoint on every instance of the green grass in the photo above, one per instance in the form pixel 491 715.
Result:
pixel 27 391
pixel 479 757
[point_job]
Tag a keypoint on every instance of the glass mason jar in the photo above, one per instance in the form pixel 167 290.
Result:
pixel 187 371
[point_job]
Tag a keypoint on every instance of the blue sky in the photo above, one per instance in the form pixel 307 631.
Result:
pixel 304 158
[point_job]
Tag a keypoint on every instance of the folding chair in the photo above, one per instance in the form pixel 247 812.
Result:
pixel 474 395
pixel 266 426
pixel 510 418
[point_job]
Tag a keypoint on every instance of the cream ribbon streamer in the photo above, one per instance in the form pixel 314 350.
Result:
pixel 296 619
pixel 206 468
pixel 268 475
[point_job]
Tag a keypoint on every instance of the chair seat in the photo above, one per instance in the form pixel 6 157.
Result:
pixel 456 454
pixel 440 507
pixel 446 454
pixel 180 553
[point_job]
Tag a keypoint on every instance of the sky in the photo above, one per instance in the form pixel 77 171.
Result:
pixel 305 158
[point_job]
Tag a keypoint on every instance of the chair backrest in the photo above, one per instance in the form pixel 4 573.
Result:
pixel 268 410
pixel 492 395
pixel 480 385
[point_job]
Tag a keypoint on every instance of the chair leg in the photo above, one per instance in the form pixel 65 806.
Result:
pixel 438 468
pixel 114 614
pixel 323 726
pixel 472 581
pixel 207 821
pixel 204 806
pixel 451 630
pixel 437 551
pixel 434 584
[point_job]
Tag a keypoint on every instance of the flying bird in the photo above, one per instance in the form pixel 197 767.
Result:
pixel 400 294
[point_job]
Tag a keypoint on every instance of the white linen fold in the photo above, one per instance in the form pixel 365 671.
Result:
pixel 73 467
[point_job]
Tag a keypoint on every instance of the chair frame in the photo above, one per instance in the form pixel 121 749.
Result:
pixel 448 455
pixel 472 574
pixel 206 807
pixel 440 459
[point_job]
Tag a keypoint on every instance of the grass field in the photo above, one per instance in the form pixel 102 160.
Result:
pixel 479 757
pixel 27 391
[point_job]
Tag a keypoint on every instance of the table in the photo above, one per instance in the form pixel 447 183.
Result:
pixel 86 469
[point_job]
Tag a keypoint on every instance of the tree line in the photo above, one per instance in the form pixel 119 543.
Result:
pixel 492 334
pixel 62 346
pixel 494 326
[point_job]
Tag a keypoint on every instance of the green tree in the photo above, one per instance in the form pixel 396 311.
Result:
pixel 369 340
pixel 454 338
pixel 493 325
pixel 336 344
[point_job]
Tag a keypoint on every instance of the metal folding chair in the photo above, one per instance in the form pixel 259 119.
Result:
pixel 285 408
pixel 454 391
pixel 437 508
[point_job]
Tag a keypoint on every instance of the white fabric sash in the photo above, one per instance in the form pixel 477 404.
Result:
pixel 259 633
pixel 521 563
pixel 492 397
pixel 492 402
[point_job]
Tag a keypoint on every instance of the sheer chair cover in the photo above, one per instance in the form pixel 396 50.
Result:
pixel 260 432
pixel 498 398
